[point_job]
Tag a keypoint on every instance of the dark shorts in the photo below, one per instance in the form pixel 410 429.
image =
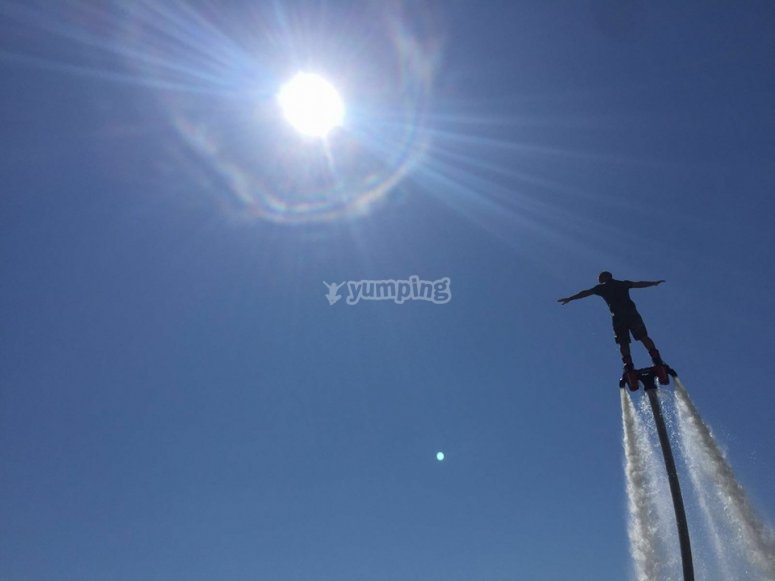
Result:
pixel 626 323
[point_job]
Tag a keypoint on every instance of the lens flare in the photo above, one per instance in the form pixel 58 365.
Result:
pixel 233 125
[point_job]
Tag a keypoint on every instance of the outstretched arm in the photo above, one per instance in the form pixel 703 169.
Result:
pixel 580 295
pixel 646 283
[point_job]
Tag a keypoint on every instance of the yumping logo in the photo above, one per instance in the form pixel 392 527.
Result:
pixel 437 291
pixel 333 292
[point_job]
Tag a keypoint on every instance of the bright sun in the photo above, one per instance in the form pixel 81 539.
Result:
pixel 311 104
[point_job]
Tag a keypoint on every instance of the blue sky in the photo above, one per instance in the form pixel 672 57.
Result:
pixel 180 401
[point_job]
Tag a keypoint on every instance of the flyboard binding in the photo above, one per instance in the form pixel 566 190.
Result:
pixel 648 376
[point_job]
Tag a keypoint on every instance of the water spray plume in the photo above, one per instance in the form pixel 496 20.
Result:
pixel 642 513
pixel 755 541
pixel 733 541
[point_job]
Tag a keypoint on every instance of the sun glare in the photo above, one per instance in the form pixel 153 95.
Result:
pixel 311 104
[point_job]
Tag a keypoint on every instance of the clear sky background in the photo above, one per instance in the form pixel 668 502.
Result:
pixel 178 400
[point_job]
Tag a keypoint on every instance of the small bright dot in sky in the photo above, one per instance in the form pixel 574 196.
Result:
pixel 440 456
pixel 311 104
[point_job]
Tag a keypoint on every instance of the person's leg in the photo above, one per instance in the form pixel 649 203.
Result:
pixel 623 340
pixel 648 343
pixel 624 349
pixel 659 366
pixel 641 334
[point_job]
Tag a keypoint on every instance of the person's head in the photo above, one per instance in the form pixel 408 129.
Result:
pixel 604 277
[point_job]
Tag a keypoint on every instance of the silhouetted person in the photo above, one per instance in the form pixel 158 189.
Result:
pixel 625 318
